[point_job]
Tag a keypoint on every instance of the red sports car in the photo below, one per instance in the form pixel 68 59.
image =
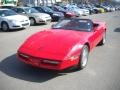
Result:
pixel 66 44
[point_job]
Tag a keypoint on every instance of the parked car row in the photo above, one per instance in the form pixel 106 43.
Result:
pixel 93 8
pixel 55 15
pixel 22 17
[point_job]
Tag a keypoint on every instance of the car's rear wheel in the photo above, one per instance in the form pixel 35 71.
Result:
pixel 32 21
pixel 83 57
pixel 4 26
pixel 103 41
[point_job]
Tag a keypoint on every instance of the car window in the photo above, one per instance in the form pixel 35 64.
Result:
pixel 46 9
pixel 74 24
pixel 60 8
pixel 39 9
pixel 7 13
pixel 19 10
pixel 55 9
pixel 31 10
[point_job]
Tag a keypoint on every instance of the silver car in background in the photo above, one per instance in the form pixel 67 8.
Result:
pixel 34 15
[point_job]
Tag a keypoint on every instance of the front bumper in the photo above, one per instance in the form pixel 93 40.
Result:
pixel 43 20
pixel 38 62
pixel 17 25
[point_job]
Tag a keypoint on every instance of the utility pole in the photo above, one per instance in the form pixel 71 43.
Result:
pixel 46 2
pixel 43 2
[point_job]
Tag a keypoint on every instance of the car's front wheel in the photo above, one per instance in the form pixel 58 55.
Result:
pixel 83 57
pixel 4 26
pixel 32 21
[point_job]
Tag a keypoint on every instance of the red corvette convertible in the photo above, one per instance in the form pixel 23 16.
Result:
pixel 66 44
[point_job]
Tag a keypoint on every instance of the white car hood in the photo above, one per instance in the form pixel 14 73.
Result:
pixel 16 17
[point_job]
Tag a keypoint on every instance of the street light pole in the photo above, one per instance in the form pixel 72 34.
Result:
pixel 29 2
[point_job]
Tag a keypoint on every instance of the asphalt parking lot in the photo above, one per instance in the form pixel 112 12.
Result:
pixel 102 72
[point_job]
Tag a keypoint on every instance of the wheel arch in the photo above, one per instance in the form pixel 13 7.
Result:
pixel 88 45
pixel 3 22
pixel 7 25
pixel 32 18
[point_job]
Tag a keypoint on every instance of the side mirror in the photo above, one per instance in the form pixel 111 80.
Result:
pixel 95 25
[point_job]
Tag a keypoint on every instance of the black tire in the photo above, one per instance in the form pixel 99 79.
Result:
pixel 32 21
pixel 102 42
pixel 5 26
pixel 83 59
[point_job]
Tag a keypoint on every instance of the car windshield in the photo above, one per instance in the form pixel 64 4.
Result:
pixel 7 13
pixel 60 8
pixel 75 7
pixel 47 9
pixel 74 24
pixel 31 10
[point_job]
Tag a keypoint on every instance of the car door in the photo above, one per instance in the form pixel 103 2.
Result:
pixel 96 36
pixel 98 33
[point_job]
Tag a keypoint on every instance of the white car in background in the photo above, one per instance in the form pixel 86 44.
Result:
pixel 11 20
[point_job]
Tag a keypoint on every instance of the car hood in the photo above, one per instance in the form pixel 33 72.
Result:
pixel 59 13
pixel 53 44
pixel 39 14
pixel 16 17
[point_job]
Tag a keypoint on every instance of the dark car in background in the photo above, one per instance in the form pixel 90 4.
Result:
pixel 66 13
pixel 7 7
pixel 54 14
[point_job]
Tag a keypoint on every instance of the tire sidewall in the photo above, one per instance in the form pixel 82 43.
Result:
pixel 2 26
pixel 104 38
pixel 103 41
pixel 81 55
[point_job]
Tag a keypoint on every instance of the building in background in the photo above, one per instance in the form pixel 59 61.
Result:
pixel 48 2
pixel 39 2
pixel 8 2
pixel 0 2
